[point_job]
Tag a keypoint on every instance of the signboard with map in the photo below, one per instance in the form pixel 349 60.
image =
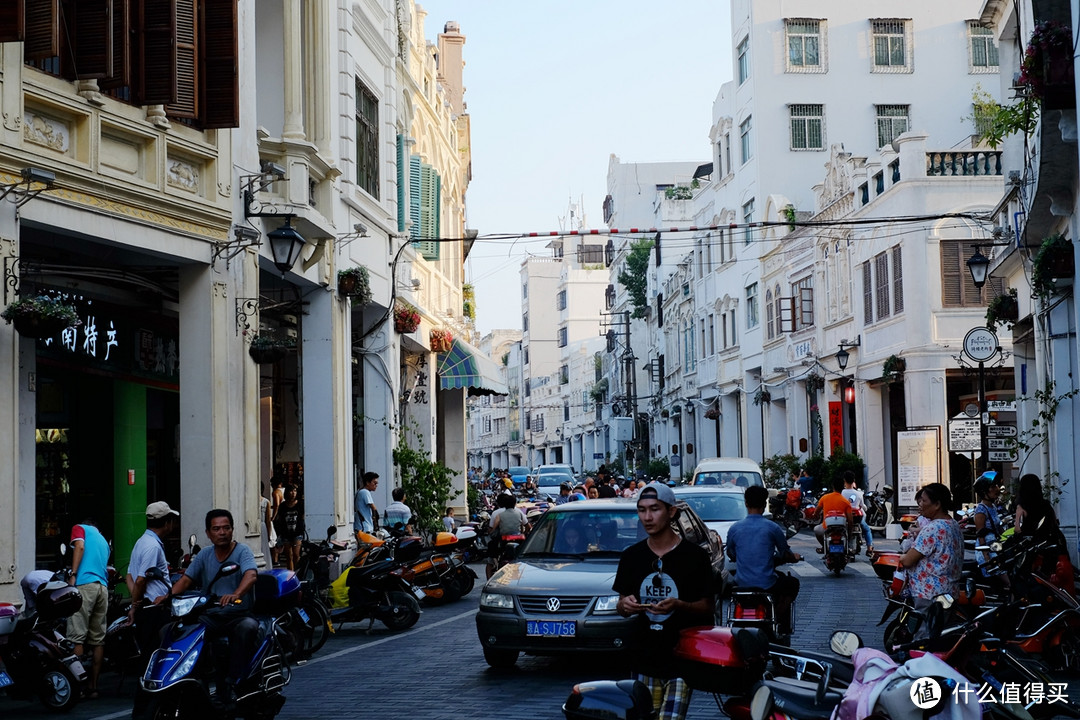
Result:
pixel 918 461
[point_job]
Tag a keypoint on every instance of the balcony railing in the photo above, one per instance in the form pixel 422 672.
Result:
pixel 963 163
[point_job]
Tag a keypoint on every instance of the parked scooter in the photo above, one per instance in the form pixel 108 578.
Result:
pixel 179 674
pixel 36 659
pixel 376 590
pixel 879 509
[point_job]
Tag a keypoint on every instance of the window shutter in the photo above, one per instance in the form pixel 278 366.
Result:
pixel 218 64
pixel 437 210
pixel 428 199
pixel 401 182
pixel 156 84
pixel 12 21
pixel 42 28
pixel 950 274
pixel 898 280
pixel 414 195
pixel 90 31
pixel 868 293
pixel 659 309
pixel 881 284
pixel 187 69
pixel 806 307
pixel 119 75
pixel 785 308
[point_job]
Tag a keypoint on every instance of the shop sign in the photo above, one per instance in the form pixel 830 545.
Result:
pixel 802 349
pixel 1001 431
pixel 836 424
pixel 965 435
pixel 980 344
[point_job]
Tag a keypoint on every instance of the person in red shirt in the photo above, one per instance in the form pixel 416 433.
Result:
pixel 830 504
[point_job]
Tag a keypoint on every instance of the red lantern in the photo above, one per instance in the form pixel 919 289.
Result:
pixel 849 394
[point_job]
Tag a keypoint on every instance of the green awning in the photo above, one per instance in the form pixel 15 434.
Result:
pixel 466 367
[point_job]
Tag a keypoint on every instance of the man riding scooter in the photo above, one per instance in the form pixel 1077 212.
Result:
pixel 832 504
pixel 757 545
pixel 233 618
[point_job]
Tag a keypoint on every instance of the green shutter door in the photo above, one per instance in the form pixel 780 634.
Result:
pixel 401 183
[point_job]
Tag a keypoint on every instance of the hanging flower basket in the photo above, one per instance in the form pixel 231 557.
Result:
pixel 713 413
pixel 355 283
pixel 406 318
pixel 1054 260
pixel 40 317
pixel 814 383
pixel 1003 310
pixel 762 396
pixel 265 349
pixel 440 340
pixel 892 370
pixel 1047 67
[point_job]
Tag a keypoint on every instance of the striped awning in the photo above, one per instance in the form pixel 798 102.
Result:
pixel 466 367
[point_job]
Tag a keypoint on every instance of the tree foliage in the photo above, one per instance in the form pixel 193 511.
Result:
pixel 634 277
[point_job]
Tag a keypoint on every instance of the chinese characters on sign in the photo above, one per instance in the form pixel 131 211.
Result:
pixel 1013 692
pixel 69 338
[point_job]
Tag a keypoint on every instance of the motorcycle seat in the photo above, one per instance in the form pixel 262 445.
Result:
pixel 797 698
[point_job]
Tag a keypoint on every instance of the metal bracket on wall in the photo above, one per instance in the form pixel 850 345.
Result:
pixel 247 312
pixel 11 277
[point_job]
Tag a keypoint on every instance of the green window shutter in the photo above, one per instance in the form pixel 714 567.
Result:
pixel 401 183
pixel 438 210
pixel 429 198
pixel 414 195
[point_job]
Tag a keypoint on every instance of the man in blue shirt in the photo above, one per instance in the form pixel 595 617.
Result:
pixel 758 545
pixel 148 552
pixel 365 514
pixel 233 617
pixel 89 573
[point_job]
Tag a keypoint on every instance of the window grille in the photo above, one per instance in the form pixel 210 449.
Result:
pixel 807 127
pixel 805 45
pixel 891 51
pixel 892 121
pixel 982 50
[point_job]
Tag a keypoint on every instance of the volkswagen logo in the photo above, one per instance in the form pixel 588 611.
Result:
pixel 553 604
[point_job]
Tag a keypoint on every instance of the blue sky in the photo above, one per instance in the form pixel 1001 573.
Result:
pixel 552 89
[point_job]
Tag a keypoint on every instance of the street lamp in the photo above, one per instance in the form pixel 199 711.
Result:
pixel 979 265
pixel 843 355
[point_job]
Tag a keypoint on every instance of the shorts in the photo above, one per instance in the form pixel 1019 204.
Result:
pixel 87 627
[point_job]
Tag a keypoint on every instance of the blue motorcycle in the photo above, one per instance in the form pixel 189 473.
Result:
pixel 178 679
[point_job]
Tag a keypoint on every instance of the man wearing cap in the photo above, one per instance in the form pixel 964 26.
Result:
pixel 148 552
pixel 665 584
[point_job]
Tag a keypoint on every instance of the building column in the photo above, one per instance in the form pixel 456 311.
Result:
pixel 219 400
pixel 293 46
pixel 452 436
pixel 380 369
pixel 326 413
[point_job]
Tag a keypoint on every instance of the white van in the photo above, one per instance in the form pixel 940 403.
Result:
pixel 729 471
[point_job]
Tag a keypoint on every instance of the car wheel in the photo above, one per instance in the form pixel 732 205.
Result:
pixel 500 659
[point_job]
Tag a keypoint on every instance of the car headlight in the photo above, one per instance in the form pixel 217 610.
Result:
pixel 497 600
pixel 607 604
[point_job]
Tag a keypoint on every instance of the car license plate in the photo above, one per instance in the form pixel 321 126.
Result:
pixel 551 628
pixel 303 615
pixel 835 548
pixel 5 679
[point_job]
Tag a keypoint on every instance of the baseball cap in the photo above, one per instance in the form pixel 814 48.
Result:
pixel 659 491
pixel 159 509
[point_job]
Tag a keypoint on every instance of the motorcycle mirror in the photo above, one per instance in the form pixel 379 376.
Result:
pixel 331 531
pixel 191 540
pixel 969 587
pixel 844 643
pixel 762 703
pixel 63 549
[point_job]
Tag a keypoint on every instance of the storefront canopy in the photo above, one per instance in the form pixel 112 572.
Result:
pixel 466 367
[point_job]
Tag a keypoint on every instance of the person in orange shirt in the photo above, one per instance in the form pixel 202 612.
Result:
pixel 831 503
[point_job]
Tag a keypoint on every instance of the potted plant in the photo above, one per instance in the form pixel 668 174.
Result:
pixel 893 368
pixel 40 316
pixel 1047 68
pixel 406 318
pixel 1054 260
pixel 1003 309
pixel 266 349
pixel 355 282
pixel 440 340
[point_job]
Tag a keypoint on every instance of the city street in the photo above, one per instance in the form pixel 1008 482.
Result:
pixel 436 670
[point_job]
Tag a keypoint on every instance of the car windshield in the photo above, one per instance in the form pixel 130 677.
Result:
pixel 518 471
pixel 716 507
pixel 598 532
pixel 733 478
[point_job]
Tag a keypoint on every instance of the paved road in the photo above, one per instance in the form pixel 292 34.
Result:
pixel 436 671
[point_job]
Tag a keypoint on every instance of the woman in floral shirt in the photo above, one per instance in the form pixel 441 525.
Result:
pixel 937 554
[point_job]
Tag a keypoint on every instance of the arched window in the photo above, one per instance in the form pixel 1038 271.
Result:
pixel 770 316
